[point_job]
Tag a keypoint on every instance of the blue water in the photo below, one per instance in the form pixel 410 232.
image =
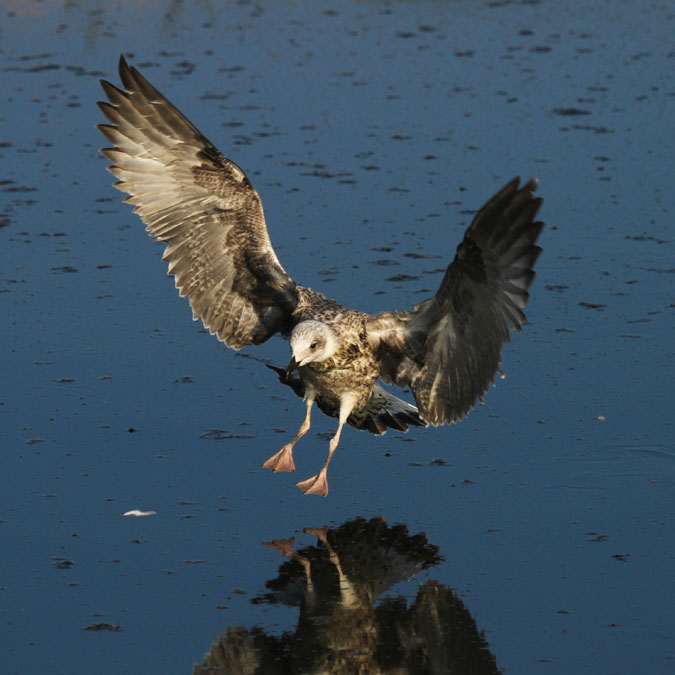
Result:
pixel 372 131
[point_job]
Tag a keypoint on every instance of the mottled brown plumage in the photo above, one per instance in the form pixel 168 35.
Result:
pixel 353 367
pixel 203 206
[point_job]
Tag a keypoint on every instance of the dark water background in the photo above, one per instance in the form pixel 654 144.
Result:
pixel 372 130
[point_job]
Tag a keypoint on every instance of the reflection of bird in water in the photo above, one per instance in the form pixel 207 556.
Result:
pixel 345 626
pixel 203 206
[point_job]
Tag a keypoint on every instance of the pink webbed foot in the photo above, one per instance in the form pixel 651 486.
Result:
pixel 316 485
pixel 282 460
pixel 284 546
pixel 319 532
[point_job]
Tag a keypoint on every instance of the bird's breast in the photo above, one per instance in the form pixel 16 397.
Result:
pixel 349 370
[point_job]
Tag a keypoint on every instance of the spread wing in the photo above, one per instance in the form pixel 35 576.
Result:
pixel 448 349
pixel 204 207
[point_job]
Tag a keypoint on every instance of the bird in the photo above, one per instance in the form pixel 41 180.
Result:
pixel 203 207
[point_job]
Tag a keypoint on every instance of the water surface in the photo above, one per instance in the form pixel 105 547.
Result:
pixel 373 131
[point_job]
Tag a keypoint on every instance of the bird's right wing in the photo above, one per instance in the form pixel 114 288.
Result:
pixel 448 349
pixel 204 207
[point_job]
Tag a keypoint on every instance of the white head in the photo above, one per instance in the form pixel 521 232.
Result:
pixel 311 341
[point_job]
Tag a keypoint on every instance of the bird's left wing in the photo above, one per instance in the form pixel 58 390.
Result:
pixel 203 206
pixel 447 350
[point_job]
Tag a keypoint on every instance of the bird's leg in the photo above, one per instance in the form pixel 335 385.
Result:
pixel 283 460
pixel 318 485
pixel 285 547
pixel 350 598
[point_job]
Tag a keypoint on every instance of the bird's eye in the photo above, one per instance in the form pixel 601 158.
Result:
pixel 313 346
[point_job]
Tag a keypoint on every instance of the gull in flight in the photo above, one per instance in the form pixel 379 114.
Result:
pixel 446 350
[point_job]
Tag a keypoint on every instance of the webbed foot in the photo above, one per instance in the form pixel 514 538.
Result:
pixel 282 460
pixel 284 546
pixel 316 485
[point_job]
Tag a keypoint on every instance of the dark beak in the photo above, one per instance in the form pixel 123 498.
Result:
pixel 293 365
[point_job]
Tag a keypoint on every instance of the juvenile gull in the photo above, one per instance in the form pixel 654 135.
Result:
pixel 202 205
